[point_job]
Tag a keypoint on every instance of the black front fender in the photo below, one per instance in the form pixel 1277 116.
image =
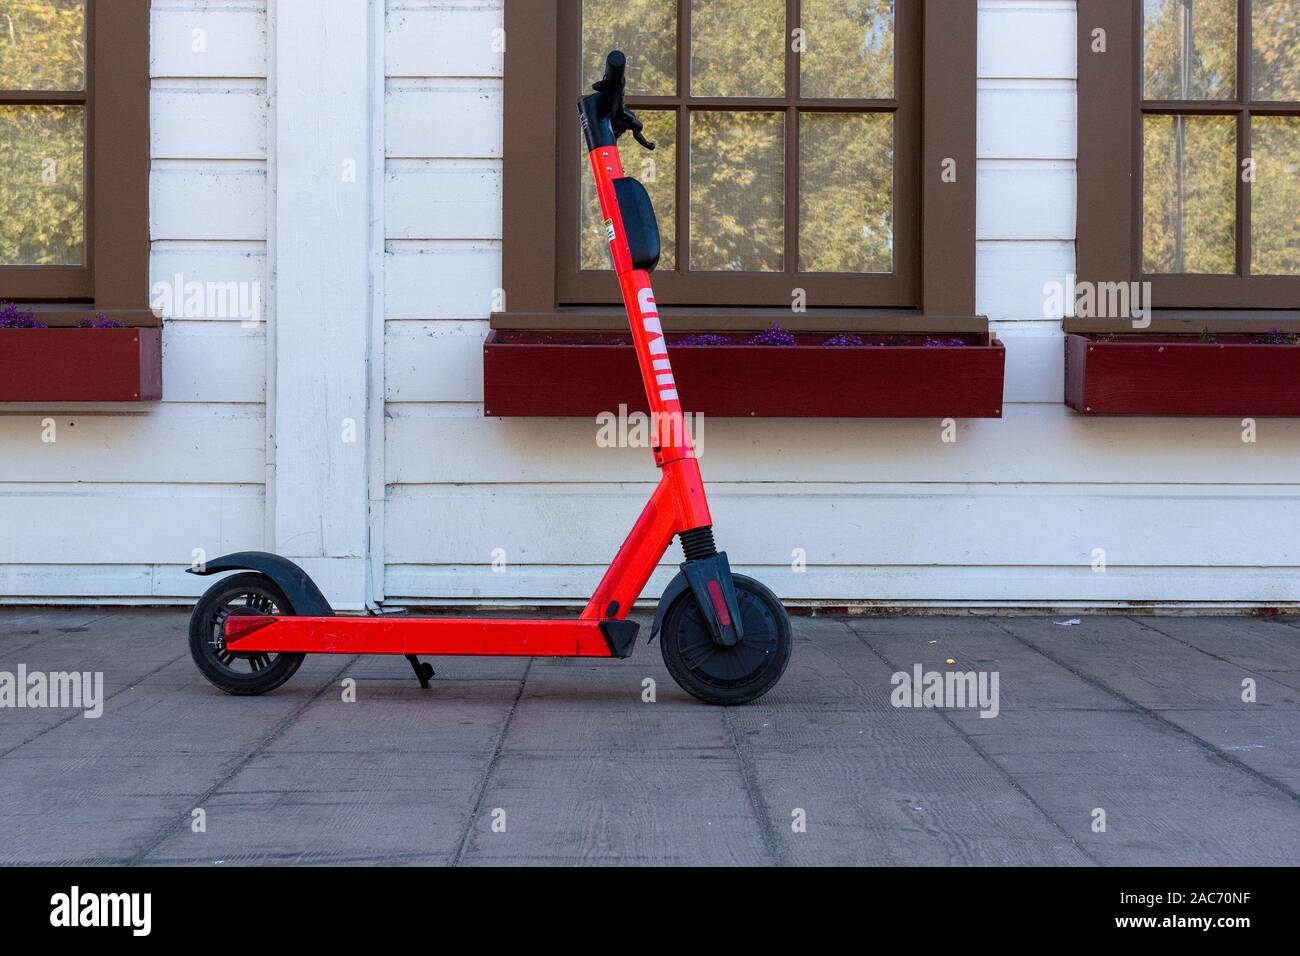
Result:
pixel 676 587
pixel 304 597
pixel 696 575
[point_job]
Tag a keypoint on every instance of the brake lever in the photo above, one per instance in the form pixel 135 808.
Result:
pixel 629 121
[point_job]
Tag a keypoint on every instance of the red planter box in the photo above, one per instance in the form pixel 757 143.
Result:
pixel 80 365
pixel 583 374
pixel 1170 375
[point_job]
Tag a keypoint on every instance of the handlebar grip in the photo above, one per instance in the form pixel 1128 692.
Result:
pixel 615 73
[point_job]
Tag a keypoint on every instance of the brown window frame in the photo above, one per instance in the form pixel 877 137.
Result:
pixel 933 287
pixel 1110 173
pixel 682 286
pixel 114 278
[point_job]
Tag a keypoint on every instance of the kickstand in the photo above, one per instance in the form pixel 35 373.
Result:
pixel 423 671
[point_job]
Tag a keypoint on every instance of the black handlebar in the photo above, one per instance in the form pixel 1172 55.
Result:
pixel 615 79
pixel 605 117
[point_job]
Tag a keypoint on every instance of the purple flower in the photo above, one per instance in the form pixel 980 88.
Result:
pixel 12 317
pixel 934 341
pixel 100 321
pixel 704 338
pixel 773 335
pixel 1275 336
pixel 844 340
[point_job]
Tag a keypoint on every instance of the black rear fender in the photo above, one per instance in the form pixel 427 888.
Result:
pixel 304 596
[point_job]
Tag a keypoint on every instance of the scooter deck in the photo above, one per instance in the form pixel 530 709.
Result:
pixel 430 636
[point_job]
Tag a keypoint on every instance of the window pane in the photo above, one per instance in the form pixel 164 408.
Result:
pixel 1275 195
pixel 646 30
pixel 42 199
pixel 849 49
pixel 1189 186
pixel 738 192
pixel 738 47
pixel 43 45
pixel 657 172
pixel 846 192
pixel 1190 49
pixel 1276 38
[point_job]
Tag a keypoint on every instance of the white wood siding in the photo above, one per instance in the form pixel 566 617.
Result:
pixel 1009 514
pixel 885 512
pixel 114 508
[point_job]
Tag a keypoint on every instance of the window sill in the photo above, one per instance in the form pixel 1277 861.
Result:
pixel 581 374
pixel 1162 373
pixel 608 318
pixel 68 364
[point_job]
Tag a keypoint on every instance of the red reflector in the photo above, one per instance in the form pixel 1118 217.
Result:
pixel 241 625
pixel 719 603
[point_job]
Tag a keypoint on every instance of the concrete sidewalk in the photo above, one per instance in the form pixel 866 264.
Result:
pixel 1140 718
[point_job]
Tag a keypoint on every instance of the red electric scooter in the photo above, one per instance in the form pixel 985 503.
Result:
pixel 725 638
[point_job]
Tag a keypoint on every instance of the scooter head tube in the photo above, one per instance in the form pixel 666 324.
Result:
pixel 604 115
pixel 601 109
pixel 715 593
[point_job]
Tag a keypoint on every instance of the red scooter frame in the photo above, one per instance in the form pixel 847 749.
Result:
pixel 678 506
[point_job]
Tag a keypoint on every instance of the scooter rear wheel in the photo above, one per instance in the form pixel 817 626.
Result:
pixel 728 675
pixel 249 673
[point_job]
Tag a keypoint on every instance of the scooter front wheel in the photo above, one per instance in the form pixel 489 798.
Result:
pixel 728 675
pixel 247 674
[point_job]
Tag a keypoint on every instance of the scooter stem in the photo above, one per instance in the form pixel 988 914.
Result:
pixel 679 505
pixel 674 442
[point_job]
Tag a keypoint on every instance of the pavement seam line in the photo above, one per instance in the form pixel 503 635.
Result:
pixel 988 758
pixel 1165 722
pixel 491 766
pixel 283 725
pixel 1222 660
pixel 757 802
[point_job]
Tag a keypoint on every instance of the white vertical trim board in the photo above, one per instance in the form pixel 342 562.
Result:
pixel 322 239
pixel 272 193
pixel 376 367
